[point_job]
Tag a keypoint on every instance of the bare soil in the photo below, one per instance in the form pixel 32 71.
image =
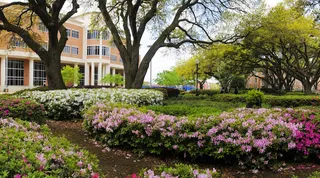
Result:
pixel 118 163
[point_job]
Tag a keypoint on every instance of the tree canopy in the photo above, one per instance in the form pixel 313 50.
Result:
pixel 168 78
pixel 173 23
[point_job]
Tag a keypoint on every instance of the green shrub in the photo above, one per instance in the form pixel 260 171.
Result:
pixel 71 75
pixel 23 109
pixel 206 92
pixel 315 175
pixel 31 89
pixel 164 91
pixel 179 170
pixel 184 110
pixel 172 92
pixel 29 150
pixel 254 98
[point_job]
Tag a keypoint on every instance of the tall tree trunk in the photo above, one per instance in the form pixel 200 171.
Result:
pixel 201 85
pixel 307 88
pixel 53 71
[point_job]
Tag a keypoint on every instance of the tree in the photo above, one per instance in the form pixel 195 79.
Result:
pixel 173 23
pixel 168 78
pixel 116 79
pixel 286 44
pixel 71 75
pixel 186 69
pixel 47 13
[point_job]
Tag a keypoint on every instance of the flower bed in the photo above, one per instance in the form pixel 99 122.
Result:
pixel 178 170
pixel 68 104
pixel 22 109
pixel 252 137
pixel 28 150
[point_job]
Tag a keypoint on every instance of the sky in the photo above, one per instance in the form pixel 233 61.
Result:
pixel 164 60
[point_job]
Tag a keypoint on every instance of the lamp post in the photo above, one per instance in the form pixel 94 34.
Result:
pixel 197 68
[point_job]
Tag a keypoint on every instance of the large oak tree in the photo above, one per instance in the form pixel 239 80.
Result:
pixel 49 13
pixel 173 23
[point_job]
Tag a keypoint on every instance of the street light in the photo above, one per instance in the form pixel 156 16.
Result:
pixel 197 68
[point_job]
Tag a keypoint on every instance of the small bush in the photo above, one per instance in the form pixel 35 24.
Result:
pixel 172 92
pixel 178 170
pixel 273 91
pixel 254 98
pixel 23 109
pixel 29 150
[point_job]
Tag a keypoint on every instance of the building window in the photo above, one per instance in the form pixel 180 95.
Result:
pixel 15 72
pixel 42 27
pixel 68 32
pixel 19 43
pixel 95 75
pixel 81 70
pixel 105 51
pixel 93 34
pixel 75 34
pixel 93 50
pixel 105 35
pixel 39 74
pixel 113 58
pixel 121 60
pixel 66 49
pixel 75 50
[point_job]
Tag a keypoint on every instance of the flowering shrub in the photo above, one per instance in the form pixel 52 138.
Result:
pixel 254 137
pixel 68 104
pixel 28 150
pixel 177 171
pixel 23 109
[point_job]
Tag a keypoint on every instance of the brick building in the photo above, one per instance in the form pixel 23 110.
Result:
pixel 91 50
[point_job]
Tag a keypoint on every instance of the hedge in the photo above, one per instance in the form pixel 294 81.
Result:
pixel 250 137
pixel 22 108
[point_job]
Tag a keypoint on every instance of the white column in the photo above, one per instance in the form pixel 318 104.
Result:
pixel 107 69
pixel 75 65
pixel 86 73
pixel 3 72
pixel 31 69
pixel 92 73
pixel 113 71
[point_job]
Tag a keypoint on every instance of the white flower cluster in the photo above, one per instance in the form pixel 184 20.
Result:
pixel 68 104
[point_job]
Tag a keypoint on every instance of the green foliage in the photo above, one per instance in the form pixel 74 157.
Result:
pixel 255 98
pixel 206 92
pixel 71 75
pixel 315 175
pixel 22 108
pixel 238 82
pixel 116 79
pixel 31 89
pixel 29 150
pixel 181 170
pixel 168 78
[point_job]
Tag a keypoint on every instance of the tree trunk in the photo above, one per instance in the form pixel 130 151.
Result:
pixel 307 88
pixel 53 72
pixel 201 85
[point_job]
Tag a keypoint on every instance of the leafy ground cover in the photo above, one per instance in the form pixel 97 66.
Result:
pixel 28 150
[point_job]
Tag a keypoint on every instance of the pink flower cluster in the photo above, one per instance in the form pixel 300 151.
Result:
pixel 262 134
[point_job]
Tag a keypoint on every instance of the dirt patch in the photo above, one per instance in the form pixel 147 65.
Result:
pixel 118 163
